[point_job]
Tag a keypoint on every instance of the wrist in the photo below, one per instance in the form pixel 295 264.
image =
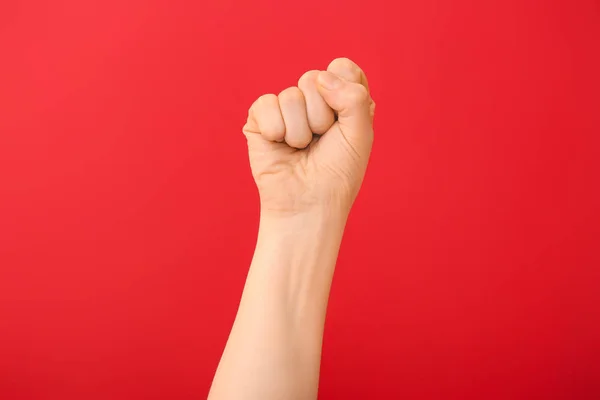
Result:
pixel 301 232
pixel 332 216
pixel 296 253
pixel 303 229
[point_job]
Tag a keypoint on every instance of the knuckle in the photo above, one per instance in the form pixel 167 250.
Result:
pixel 272 133
pixel 342 63
pixel 272 129
pixel 358 94
pixel 264 100
pixel 321 126
pixel 321 121
pixel 308 78
pixel 291 94
pixel 266 97
pixel 297 143
pixel 345 68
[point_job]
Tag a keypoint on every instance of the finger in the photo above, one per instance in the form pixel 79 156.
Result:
pixel 320 115
pixel 352 103
pixel 266 115
pixel 293 109
pixel 348 70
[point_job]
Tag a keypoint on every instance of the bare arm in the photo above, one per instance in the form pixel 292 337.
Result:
pixel 308 148
pixel 274 349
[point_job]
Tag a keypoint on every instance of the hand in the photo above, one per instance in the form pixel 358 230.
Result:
pixel 310 145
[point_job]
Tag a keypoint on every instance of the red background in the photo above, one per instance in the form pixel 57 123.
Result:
pixel 470 266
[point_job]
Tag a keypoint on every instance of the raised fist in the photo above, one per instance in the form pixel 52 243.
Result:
pixel 309 146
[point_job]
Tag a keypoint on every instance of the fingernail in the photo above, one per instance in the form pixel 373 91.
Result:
pixel 328 80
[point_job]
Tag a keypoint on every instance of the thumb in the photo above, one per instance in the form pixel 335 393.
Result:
pixel 352 103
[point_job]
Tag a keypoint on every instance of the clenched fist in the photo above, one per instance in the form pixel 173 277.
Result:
pixel 309 146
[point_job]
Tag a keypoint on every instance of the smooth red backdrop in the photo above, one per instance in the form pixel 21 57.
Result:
pixel 470 266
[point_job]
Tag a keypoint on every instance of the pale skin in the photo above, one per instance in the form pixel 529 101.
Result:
pixel 308 147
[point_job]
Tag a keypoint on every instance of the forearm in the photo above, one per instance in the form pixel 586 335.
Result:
pixel 274 348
